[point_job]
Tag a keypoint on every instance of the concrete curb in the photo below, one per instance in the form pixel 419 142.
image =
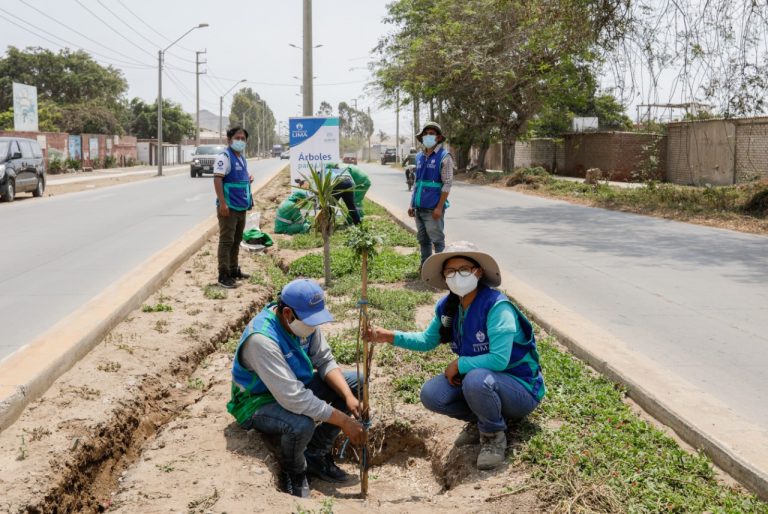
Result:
pixel 30 371
pixel 736 445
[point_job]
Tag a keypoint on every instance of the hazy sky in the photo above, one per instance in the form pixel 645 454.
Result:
pixel 247 39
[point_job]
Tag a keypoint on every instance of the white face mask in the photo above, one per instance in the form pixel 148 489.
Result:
pixel 462 286
pixel 301 329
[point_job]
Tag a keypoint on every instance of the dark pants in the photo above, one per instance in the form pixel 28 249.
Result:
pixel 230 234
pixel 298 433
pixel 346 191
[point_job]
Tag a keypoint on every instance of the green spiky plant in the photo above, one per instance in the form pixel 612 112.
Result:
pixel 321 187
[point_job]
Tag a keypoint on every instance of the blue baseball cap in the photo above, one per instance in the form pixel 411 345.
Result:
pixel 307 300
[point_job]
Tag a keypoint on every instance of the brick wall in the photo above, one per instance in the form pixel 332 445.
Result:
pixel 751 149
pixel 618 153
pixel 52 143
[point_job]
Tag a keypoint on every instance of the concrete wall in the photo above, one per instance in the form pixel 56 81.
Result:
pixel 536 152
pixel 701 153
pixel 619 154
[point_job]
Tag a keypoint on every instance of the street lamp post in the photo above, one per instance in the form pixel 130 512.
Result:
pixel 160 153
pixel 221 105
pixel 307 60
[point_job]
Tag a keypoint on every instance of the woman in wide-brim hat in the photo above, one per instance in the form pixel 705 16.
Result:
pixel 497 375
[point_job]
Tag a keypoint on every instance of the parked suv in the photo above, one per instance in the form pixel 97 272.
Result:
pixel 389 155
pixel 22 167
pixel 202 159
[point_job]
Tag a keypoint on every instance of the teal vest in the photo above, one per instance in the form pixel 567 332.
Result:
pixel 249 393
pixel 237 183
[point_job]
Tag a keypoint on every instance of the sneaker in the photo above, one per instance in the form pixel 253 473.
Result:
pixel 492 448
pixel 239 275
pixel 470 435
pixel 226 281
pixel 326 469
pixel 295 484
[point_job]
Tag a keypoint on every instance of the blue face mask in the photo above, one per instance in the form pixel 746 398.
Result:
pixel 429 140
pixel 238 145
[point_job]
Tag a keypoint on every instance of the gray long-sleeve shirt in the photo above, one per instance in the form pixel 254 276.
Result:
pixel 262 355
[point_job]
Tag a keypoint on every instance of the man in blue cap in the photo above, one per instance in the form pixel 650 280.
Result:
pixel 286 382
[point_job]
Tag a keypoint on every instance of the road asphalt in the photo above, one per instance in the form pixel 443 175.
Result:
pixel 692 299
pixel 61 251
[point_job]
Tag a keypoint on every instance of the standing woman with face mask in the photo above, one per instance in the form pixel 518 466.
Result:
pixel 232 184
pixel 434 177
pixel 497 375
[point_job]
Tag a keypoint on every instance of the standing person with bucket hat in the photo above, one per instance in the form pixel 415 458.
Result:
pixel 497 375
pixel 434 177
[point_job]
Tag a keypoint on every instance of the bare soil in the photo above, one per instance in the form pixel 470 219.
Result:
pixel 724 220
pixel 140 424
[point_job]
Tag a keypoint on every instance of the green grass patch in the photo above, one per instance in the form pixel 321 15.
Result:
pixel 158 307
pixel 214 292
pixel 373 209
pixel 604 448
pixel 388 266
pixel 344 346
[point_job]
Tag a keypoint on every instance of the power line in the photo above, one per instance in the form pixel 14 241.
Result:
pixel 113 29
pixel 105 59
pixel 149 26
pixel 121 20
pixel 73 30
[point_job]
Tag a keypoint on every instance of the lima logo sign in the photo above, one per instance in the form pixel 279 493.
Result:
pixel 299 132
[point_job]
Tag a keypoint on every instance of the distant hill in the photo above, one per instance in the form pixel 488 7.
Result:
pixel 210 121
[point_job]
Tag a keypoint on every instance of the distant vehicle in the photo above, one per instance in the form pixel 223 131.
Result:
pixel 277 151
pixel 285 155
pixel 22 167
pixel 349 158
pixel 202 159
pixel 389 155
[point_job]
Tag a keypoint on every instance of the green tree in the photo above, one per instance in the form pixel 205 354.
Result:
pixel 177 124
pixel 252 112
pixel 485 66
pixel 325 109
pixel 62 78
pixel 355 127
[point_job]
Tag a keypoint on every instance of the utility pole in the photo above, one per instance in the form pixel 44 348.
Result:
pixel 198 62
pixel 369 133
pixel 308 100
pixel 415 118
pixel 159 152
pixel 397 124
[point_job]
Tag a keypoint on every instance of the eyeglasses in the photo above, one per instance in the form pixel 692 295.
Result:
pixel 464 271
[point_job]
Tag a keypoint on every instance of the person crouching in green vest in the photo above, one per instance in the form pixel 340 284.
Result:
pixel 289 218
pixel 362 185
pixel 286 382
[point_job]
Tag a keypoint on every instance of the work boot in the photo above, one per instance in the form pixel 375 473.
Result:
pixel 226 281
pixel 295 484
pixel 326 469
pixel 470 435
pixel 492 448
pixel 237 274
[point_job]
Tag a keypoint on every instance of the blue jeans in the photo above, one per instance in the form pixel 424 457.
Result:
pixel 485 396
pixel 429 232
pixel 298 433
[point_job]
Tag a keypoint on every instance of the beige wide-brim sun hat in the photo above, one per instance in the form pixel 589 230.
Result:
pixel 432 271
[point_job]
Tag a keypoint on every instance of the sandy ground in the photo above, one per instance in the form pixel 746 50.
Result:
pixel 140 424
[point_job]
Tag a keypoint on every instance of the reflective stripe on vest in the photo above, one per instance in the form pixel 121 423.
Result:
pixel 237 184
pixel 429 184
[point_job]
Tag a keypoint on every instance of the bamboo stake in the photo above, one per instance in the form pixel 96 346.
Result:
pixel 366 418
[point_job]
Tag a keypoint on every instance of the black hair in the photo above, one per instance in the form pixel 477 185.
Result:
pixel 234 130
pixel 451 308
pixel 282 305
